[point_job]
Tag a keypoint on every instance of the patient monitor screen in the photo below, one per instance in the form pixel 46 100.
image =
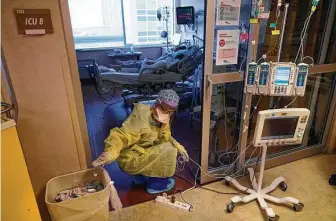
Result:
pixel 279 128
pixel 282 76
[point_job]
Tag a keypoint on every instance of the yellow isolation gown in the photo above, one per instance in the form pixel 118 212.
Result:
pixel 142 148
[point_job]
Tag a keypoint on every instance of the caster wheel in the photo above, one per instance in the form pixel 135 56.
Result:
pixel 298 207
pixel 283 186
pixel 275 218
pixel 227 183
pixel 230 207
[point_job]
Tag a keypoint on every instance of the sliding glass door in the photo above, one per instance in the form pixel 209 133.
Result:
pixel 229 115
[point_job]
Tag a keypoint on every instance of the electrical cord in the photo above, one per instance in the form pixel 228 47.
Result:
pixel 101 96
pixel 225 154
pixel 205 188
pixel 217 176
pixel 225 113
pixel 312 59
pixel 241 65
pixel 305 34
pixel 5 107
pixel 229 151
pixel 180 191
pixel 225 125
pixel 256 166
pixel 223 102
pixel 255 107
pixel 110 104
pixel 277 103
pixel 291 102
pixel 218 192
pixel 195 185
pixel 245 164
pixel 280 99
pixel 107 92
pixel 260 59
pixel 271 50
pixel 302 35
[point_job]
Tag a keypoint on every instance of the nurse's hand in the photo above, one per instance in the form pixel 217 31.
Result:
pixel 185 156
pixel 102 160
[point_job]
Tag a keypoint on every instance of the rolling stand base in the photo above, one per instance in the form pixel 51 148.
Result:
pixel 261 195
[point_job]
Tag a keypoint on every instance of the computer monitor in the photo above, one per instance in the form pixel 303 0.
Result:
pixel 281 126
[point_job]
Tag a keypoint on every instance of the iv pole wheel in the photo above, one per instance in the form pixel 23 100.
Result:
pixel 283 186
pixel 230 207
pixel 275 218
pixel 298 207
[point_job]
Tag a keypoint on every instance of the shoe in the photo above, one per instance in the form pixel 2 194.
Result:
pixel 159 185
pixel 139 179
pixel 332 180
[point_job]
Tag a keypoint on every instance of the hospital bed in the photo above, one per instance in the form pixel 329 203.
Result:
pixel 148 77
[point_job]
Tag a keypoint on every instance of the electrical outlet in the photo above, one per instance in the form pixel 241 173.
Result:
pixel 177 205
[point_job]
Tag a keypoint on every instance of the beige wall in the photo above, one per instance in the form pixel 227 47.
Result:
pixel 51 122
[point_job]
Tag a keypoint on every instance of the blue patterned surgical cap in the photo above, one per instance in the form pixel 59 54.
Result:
pixel 168 97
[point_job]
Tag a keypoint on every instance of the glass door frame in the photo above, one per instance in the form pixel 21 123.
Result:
pixel 211 79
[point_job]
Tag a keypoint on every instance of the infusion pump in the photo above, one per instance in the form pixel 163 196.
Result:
pixel 276 78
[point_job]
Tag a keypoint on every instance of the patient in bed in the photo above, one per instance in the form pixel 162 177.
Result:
pixel 168 61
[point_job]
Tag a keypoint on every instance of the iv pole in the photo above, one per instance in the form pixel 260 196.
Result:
pixel 167 26
pixel 284 20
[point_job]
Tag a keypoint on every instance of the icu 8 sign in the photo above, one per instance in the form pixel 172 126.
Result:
pixel 33 21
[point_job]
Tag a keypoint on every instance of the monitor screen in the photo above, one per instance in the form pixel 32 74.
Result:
pixel 185 15
pixel 279 128
pixel 282 75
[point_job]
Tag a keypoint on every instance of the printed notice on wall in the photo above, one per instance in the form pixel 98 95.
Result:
pixel 228 12
pixel 227 47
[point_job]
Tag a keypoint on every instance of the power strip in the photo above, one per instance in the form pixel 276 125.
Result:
pixel 177 205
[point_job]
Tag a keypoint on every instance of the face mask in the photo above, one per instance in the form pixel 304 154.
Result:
pixel 163 118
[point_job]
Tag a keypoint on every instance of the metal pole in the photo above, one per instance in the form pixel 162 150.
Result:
pixel 282 31
pixel 262 168
pixel 123 20
pixel 284 19
pixel 167 20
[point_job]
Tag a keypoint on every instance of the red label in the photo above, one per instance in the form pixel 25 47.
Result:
pixel 222 43
pixel 244 36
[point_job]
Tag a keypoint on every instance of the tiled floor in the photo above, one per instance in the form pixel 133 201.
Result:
pixel 307 180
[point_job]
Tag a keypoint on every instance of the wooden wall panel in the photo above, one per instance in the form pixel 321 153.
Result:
pixel 50 119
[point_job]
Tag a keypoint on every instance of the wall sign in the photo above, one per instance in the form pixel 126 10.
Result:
pixel 228 12
pixel 227 47
pixel 34 21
